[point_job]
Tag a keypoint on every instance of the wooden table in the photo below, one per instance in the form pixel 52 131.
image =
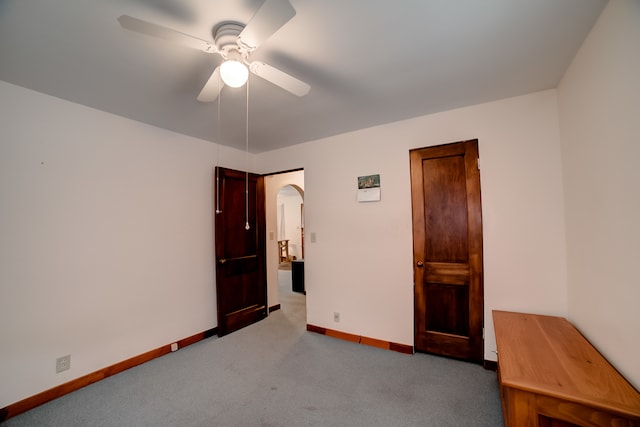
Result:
pixel 550 375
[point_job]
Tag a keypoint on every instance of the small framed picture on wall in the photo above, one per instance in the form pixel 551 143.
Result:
pixel 369 188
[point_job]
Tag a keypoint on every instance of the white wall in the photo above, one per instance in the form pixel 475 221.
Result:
pixel 106 239
pixel 272 185
pixel 371 282
pixel 599 100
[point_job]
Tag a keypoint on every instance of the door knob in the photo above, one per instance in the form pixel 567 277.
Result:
pixel 419 264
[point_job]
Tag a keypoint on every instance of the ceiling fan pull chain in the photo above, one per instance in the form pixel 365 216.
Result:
pixel 218 210
pixel 246 181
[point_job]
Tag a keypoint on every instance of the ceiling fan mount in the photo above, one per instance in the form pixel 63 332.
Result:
pixel 233 41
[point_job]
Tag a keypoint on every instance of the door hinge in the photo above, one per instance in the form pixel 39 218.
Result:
pixel 482 333
pixel 478 162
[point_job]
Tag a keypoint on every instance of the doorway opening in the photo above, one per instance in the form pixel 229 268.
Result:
pixel 285 244
pixel 290 225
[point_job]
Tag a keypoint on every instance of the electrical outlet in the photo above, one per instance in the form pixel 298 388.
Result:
pixel 63 363
pixel 336 317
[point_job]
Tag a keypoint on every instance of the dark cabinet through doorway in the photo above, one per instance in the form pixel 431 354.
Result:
pixel 297 275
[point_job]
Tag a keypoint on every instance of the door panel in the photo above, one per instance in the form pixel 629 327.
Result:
pixel 241 290
pixel 445 212
pixel 447 227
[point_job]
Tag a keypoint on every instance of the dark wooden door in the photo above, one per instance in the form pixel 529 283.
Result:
pixel 241 289
pixel 447 250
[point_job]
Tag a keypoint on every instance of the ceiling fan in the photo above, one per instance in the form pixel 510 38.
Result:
pixel 235 42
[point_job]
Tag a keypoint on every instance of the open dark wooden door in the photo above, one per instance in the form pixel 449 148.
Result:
pixel 447 239
pixel 241 283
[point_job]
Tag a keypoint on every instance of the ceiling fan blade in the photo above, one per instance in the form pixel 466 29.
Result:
pixel 279 78
pixel 155 30
pixel 212 88
pixel 272 15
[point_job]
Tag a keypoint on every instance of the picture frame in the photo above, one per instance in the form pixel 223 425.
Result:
pixel 369 188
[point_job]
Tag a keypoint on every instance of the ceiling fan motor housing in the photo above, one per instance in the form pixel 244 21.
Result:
pixel 225 36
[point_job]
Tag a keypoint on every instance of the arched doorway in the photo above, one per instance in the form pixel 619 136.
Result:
pixel 290 233
pixel 285 222
pixel 290 223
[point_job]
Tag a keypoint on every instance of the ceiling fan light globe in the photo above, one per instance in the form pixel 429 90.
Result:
pixel 234 73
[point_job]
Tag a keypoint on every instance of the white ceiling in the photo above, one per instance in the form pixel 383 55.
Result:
pixel 368 62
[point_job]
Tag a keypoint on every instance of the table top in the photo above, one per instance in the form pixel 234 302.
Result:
pixel 548 355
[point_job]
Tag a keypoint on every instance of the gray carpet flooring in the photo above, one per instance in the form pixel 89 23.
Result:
pixel 275 373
